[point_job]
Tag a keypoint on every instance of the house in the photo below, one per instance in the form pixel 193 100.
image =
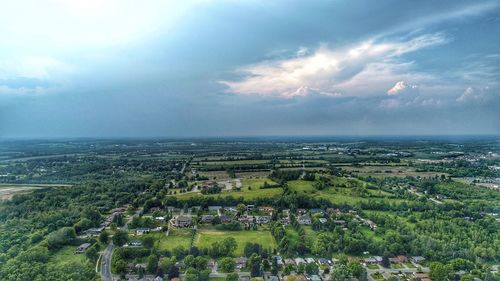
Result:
pixel 301 211
pixel 310 260
pixel 214 208
pixel 266 209
pixel 160 219
pixel 94 230
pixel 211 264
pixel 272 278
pixel 370 261
pixel 316 211
pixel 180 265
pixel 289 262
pixel 315 278
pixel 417 259
pixel 207 218
pixel 402 258
pixel 250 207
pixel 135 243
pixel 172 209
pixel 225 219
pixel 304 219
pixel 279 260
pixel 263 219
pixel 398 259
pixel 231 209
pixel 339 222
pixel 371 224
pixel 82 248
pixel 245 219
pixel 181 221
pixel 285 221
pixel 299 261
pixel 158 278
pixel 323 261
pixel 240 262
pixel 142 230
pixel 323 220
pixel 378 258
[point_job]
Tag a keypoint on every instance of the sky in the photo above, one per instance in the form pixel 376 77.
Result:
pixel 153 68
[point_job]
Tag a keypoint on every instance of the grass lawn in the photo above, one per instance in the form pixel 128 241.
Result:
pixel 236 162
pixel 336 195
pixel 372 266
pixel 256 183
pixel 397 265
pixel 246 193
pixel 176 238
pixel 409 265
pixel 205 238
pixel 377 276
pixel 66 255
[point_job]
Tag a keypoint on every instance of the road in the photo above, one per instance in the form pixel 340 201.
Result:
pixel 395 270
pixel 106 263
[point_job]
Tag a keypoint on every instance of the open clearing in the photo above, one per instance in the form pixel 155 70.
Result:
pixel 176 238
pixel 8 190
pixel 341 195
pixel 247 192
pixel 388 171
pixel 205 238
pixel 66 255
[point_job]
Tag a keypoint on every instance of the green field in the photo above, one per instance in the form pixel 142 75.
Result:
pixel 389 171
pixel 233 162
pixel 205 238
pixel 256 183
pixel 176 238
pixel 67 255
pixel 250 190
pixel 341 195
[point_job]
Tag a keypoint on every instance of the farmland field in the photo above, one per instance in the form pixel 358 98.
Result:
pixel 205 238
pixel 388 171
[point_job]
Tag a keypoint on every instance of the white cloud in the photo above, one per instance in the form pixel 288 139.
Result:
pixel 390 104
pixel 334 70
pixel 473 94
pixel 400 87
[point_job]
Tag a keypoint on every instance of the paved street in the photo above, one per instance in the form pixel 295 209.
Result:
pixel 106 263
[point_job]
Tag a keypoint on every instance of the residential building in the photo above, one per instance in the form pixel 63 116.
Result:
pixel 417 259
pixel 142 230
pixel 207 218
pixel 182 221
pixel 310 260
pixel 304 219
pixel 135 243
pixel 82 248
pixel 299 261
pixel 214 208
pixel 263 219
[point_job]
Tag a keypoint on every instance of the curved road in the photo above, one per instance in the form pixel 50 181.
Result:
pixel 106 263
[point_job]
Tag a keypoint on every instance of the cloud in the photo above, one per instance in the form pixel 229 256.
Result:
pixel 390 103
pixel 474 94
pixel 32 74
pixel 330 71
pixel 400 87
